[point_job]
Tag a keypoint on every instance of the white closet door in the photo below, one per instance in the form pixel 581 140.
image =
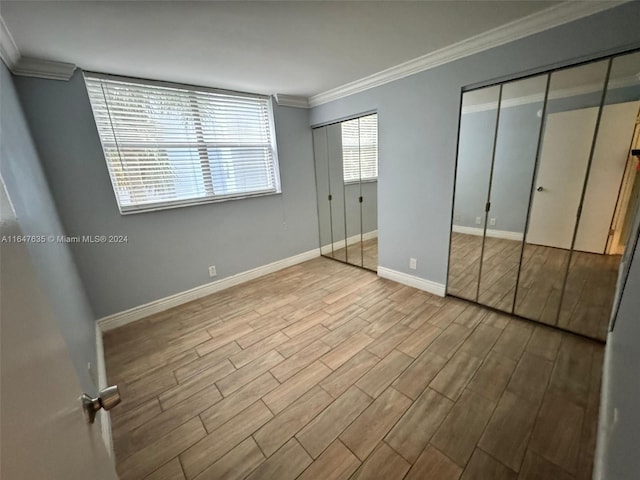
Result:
pixel 563 165
pixel 609 160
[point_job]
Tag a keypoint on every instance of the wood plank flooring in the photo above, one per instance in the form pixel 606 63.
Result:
pixel 588 297
pixel 363 254
pixel 324 371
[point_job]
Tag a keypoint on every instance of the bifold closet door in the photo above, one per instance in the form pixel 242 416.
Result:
pixel 338 220
pixel 591 281
pixel 368 126
pixel 476 139
pixel 323 190
pixel 570 120
pixel 512 175
pixel 352 189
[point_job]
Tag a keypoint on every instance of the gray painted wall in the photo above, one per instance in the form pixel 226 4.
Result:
pixel 617 449
pixel 34 206
pixel 168 251
pixel 418 125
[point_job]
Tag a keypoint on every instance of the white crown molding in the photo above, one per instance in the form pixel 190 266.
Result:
pixel 36 67
pixel 136 313
pixel 291 101
pixel 555 95
pixel 412 281
pixel 512 102
pixel 538 22
pixel 8 50
pixel 29 66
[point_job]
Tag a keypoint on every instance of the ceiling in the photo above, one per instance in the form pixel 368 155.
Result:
pixel 297 48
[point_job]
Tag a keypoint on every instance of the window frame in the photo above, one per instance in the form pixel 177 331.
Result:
pixel 187 202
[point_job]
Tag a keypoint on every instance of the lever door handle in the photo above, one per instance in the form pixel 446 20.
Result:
pixel 108 398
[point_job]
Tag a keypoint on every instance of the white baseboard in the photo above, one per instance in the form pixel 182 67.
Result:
pixel 136 313
pixel 105 418
pixel 326 249
pixel 412 281
pixel 507 235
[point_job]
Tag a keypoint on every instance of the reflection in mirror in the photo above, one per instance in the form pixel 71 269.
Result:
pixel 321 160
pixel 352 189
pixel 569 125
pixel 475 151
pixel 513 170
pixel 346 159
pixel 610 201
pixel 360 174
pixel 338 221
pixel 369 189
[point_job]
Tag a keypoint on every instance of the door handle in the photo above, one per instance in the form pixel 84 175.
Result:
pixel 540 188
pixel 108 398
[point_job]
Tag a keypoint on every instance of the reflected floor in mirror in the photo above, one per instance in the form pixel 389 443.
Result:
pixel 588 297
pixel 368 256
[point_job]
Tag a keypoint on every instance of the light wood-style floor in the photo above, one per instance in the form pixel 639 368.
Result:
pixel 363 254
pixel 325 371
pixel 588 297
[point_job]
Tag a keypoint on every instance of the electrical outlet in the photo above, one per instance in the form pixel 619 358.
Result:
pixel 212 271
pixel 478 220
pixel 492 221
pixel 457 217
pixel 413 263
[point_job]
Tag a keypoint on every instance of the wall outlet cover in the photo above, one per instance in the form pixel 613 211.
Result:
pixel 413 263
pixel 212 271
pixel 478 220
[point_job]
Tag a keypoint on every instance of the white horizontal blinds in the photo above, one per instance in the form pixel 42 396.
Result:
pixel 172 145
pixel 360 148
pixel 369 147
pixel 351 151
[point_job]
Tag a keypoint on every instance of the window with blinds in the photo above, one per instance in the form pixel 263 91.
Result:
pixel 360 149
pixel 171 145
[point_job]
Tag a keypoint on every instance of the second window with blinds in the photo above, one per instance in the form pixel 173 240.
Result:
pixel 170 145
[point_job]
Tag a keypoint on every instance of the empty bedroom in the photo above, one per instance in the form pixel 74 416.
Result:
pixel 320 240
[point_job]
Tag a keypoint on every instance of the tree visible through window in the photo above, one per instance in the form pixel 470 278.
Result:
pixel 168 145
pixel 360 149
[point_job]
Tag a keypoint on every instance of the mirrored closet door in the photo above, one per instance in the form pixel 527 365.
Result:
pixel 545 188
pixel 346 165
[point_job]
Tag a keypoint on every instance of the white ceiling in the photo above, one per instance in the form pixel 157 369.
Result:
pixel 297 48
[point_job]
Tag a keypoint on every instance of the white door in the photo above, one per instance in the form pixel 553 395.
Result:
pixel 44 433
pixel 563 164
pixel 607 169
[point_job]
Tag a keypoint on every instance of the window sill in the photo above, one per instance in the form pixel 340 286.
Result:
pixel 356 182
pixel 192 202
